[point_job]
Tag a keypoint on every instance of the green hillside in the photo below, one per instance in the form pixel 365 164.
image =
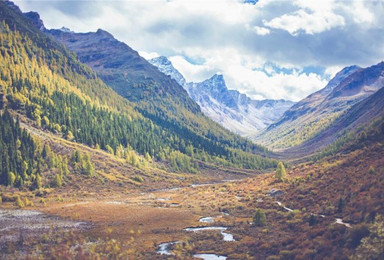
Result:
pixel 45 82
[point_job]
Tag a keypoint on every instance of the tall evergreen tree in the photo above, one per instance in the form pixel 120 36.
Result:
pixel 280 173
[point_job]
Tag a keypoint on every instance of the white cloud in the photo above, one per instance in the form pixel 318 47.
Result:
pixel 257 82
pixel 330 72
pixel 359 12
pixel 192 72
pixel 281 85
pixel 239 40
pixel 148 55
pixel 261 30
pixel 312 17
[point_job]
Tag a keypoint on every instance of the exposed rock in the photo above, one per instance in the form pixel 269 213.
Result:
pixel 35 19
pixel 275 193
pixel 230 108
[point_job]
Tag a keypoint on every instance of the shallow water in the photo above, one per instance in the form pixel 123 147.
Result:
pixel 164 248
pixel 207 220
pixel 210 256
pixel 337 220
pixel 226 236
pixel 201 185
pixel 340 221
pixel 281 205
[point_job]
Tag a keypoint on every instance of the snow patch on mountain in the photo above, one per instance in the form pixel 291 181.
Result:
pixel 230 108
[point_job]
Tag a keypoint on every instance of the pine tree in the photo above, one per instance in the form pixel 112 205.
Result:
pixel 11 179
pixel 57 182
pixel 64 166
pixel 38 181
pixel 69 136
pixel 280 172
pixel 340 205
pixel 148 157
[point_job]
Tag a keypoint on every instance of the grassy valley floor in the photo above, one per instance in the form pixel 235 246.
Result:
pixel 301 219
pixel 321 211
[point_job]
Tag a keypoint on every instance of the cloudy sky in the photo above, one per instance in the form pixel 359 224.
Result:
pixel 266 49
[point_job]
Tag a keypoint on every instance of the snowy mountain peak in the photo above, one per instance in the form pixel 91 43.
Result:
pixel 230 108
pixel 65 29
pixel 216 82
pixel 166 67
pixel 217 77
pixel 162 60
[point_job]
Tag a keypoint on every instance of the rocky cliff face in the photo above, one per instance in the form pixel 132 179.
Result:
pixel 234 110
pixel 230 108
pixel 166 67
pixel 35 19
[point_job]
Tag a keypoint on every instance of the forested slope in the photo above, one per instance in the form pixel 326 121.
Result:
pixel 42 80
pixel 157 96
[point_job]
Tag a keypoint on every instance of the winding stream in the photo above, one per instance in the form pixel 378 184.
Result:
pixel 226 236
pixel 164 248
pixel 210 256
pixel 337 220
pixel 340 221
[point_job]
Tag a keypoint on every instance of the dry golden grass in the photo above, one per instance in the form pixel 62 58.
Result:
pixel 149 226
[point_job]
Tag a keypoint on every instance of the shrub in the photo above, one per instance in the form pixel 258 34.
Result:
pixel 286 255
pixel 27 202
pixel 259 219
pixel 357 233
pixel 138 179
pixel 19 203
pixel 312 220
pixel 371 170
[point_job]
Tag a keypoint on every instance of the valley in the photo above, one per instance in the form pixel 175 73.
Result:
pixel 140 221
pixel 107 155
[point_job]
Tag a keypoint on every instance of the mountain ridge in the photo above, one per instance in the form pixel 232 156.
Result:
pixel 317 111
pixel 155 95
pixel 54 91
pixel 351 123
pixel 230 108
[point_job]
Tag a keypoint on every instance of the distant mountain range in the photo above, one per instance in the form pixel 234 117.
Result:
pixel 325 109
pixel 230 108
pixel 354 120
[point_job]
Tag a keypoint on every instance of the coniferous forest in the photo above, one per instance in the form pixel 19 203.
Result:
pixel 104 156
pixel 18 153
pixel 67 101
